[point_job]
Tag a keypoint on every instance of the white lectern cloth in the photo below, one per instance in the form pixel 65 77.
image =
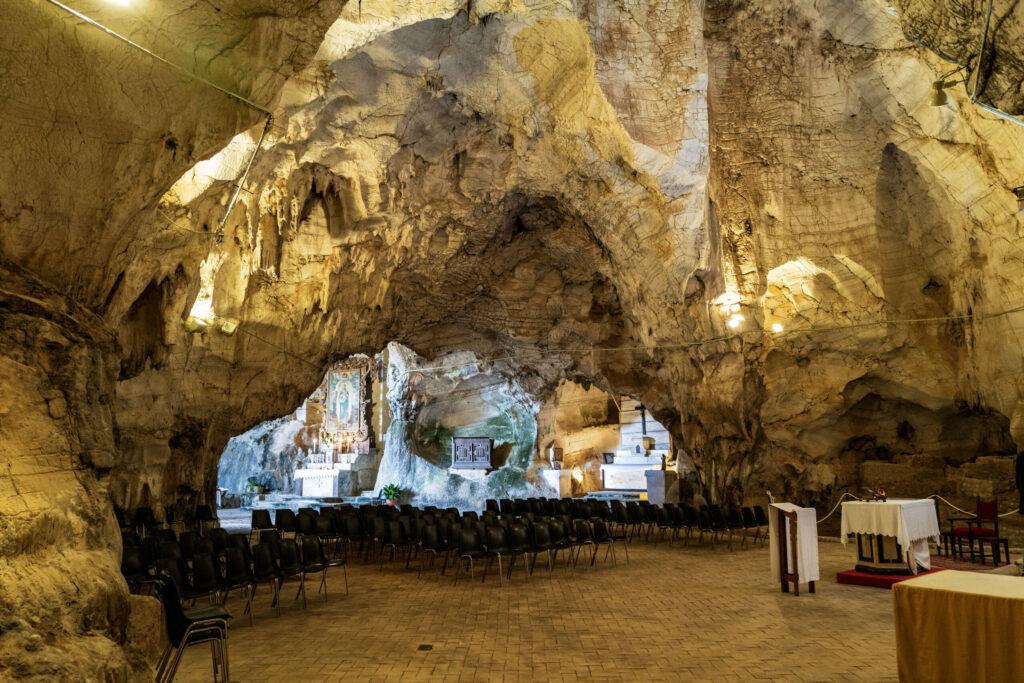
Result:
pixel 912 522
pixel 807 537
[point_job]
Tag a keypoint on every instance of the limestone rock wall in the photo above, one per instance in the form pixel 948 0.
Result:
pixel 577 190
pixel 453 395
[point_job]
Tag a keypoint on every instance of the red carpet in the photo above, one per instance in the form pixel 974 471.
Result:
pixel 852 576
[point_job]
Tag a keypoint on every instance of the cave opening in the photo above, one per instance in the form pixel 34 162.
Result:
pixel 395 418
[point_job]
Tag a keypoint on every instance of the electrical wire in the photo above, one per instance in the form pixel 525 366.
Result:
pixel 180 69
pixel 245 175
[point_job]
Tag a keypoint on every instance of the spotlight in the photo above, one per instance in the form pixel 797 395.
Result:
pixel 937 95
pixel 776 327
pixel 577 474
pixel 735 321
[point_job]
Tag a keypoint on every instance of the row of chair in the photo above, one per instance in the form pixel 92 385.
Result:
pixel 143 519
pixel 202 567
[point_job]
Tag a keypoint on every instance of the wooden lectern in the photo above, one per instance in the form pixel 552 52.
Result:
pixel 794 541
pixel 787 556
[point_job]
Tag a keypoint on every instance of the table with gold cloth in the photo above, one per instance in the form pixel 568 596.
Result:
pixel 960 626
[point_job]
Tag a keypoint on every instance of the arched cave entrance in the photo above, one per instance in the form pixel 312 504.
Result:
pixel 393 418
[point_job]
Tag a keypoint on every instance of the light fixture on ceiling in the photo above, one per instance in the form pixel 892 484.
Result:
pixel 937 95
pixel 776 327
pixel 735 321
pixel 577 474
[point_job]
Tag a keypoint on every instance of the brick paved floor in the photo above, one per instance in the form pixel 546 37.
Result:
pixel 673 614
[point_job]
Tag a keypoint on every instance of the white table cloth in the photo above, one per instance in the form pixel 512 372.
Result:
pixel 807 541
pixel 911 522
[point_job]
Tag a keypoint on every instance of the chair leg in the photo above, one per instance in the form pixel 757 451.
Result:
pixel 165 657
pixel 224 654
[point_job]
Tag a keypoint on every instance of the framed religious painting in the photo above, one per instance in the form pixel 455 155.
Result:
pixel 344 403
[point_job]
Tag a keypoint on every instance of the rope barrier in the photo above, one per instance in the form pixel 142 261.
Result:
pixel 936 496
pixel 972 514
pixel 841 498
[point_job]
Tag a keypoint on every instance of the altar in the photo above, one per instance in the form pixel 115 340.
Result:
pixel 892 536
pixel 629 471
pixel 319 475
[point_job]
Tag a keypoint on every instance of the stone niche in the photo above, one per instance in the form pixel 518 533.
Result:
pixel 457 395
pixel 269 454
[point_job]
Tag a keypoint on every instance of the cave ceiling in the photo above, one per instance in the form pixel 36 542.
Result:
pixel 580 188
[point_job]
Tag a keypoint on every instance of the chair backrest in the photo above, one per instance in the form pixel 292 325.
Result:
pixel 237 567
pixel 289 560
pixel 144 517
pixel 132 563
pixel 469 540
pixel 174 615
pixel 206 574
pixel 557 530
pixel 284 520
pixel 541 534
pixel 263 565
pixel 748 517
pixel 170 549
pixel 601 534
pixel 203 513
pixel 305 523
pixel 733 517
pixel 718 518
pixel 261 519
pixel 175 568
pixel 704 520
pixel 325 525
pixel 583 531
pixel 395 532
pixel 505 506
pixel 241 541
pixel 220 540
pixel 187 541
pixel 353 529
pixel 491 504
pixel 312 551
pixel 165 535
pixel 497 539
pixel 470 515
pixel 987 510
pixel 760 515
pixel 202 545
pixel 519 537
pixel 430 537
pixel 380 528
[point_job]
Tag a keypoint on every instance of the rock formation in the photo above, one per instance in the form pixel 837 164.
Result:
pixel 578 190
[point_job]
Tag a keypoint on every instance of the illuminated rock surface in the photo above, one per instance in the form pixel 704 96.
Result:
pixel 574 190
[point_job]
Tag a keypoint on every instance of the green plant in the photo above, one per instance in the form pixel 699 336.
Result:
pixel 390 492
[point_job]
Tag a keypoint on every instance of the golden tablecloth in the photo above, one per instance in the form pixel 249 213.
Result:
pixel 960 626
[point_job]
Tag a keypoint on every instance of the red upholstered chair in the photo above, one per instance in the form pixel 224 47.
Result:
pixel 984 526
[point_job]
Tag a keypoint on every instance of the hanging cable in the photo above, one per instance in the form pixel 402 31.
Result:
pixel 245 174
pixel 180 69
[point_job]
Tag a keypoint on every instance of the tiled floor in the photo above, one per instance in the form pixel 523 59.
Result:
pixel 673 614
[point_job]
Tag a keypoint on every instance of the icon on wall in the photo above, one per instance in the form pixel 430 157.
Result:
pixel 343 404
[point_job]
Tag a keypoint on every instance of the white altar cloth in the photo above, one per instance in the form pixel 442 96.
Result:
pixel 911 522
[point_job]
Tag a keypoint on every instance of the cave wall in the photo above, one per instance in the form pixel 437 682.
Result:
pixel 576 189
pixel 457 395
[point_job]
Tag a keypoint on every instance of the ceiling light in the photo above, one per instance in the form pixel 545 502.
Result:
pixel 776 327
pixel 937 96
pixel 577 474
pixel 735 321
